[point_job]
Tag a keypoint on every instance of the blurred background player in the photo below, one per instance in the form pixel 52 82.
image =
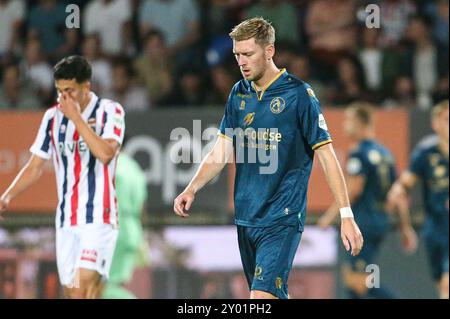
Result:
pixel 429 165
pixel 370 173
pixel 131 189
pixel 270 206
pixel 88 131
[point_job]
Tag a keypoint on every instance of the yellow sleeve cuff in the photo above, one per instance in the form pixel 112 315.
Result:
pixel 316 146
pixel 224 136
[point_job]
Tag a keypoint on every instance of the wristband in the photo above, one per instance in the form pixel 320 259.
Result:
pixel 346 212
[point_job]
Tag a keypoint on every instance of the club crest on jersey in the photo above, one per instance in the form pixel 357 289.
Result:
pixel 242 106
pixel 248 119
pixel 277 105
pixel 62 129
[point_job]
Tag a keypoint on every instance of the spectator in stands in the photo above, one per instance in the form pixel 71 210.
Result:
pixel 125 91
pixel 47 21
pixel 438 13
pixel 350 82
pixel 300 67
pixel 110 19
pixel 423 61
pixel 396 15
pixel 11 19
pixel 285 54
pixel 101 67
pixel 188 91
pixel 371 57
pixel 440 92
pixel 154 67
pixel 282 14
pixel 16 94
pixel 37 71
pixel 178 20
pixel 380 66
pixel 331 28
pixel 404 94
pixel 222 80
pixel 217 15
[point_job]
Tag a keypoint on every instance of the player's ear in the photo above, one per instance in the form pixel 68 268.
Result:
pixel 87 86
pixel 270 51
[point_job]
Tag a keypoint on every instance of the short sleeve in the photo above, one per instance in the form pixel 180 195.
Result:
pixel 113 122
pixel 226 125
pixel 312 122
pixel 355 166
pixel 416 163
pixel 42 145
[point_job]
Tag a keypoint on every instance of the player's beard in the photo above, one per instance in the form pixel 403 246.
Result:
pixel 254 77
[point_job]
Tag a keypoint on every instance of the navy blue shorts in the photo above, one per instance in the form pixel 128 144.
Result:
pixel 267 254
pixel 437 250
pixel 368 253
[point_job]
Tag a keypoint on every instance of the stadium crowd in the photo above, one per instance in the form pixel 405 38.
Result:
pixel 177 53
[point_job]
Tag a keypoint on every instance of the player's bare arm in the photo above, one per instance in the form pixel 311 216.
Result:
pixel 350 234
pixel 401 187
pixel 398 202
pixel 103 149
pixel 211 166
pixel 29 174
pixel 355 187
pixel 407 232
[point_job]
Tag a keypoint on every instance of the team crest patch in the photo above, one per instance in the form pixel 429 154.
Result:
pixel 277 105
pixel 242 106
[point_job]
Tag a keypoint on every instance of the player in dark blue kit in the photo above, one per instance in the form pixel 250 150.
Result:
pixel 370 174
pixel 429 165
pixel 272 128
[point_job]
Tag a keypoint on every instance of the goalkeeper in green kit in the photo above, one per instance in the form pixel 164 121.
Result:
pixel 131 195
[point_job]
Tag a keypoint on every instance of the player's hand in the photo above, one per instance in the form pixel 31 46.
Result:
pixel 183 202
pixel 4 203
pixel 409 239
pixel 396 192
pixel 69 106
pixel 351 236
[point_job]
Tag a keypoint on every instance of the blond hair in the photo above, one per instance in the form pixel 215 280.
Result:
pixel 258 28
pixel 439 108
pixel 363 112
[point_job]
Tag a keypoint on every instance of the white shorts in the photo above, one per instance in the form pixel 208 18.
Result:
pixel 88 246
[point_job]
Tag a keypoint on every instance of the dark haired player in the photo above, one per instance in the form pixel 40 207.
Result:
pixel 82 134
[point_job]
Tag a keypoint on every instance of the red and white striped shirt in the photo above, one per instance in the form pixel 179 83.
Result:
pixel 86 186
